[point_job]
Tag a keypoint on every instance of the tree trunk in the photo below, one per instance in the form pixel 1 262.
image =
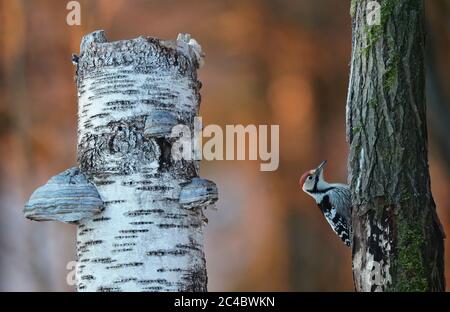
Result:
pixel 144 240
pixel 397 237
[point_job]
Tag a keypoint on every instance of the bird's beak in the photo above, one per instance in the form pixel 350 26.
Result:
pixel 320 168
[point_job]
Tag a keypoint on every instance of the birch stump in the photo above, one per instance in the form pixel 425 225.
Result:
pixel 142 231
pixel 397 239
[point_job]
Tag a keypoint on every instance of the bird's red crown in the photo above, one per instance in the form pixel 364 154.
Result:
pixel 305 176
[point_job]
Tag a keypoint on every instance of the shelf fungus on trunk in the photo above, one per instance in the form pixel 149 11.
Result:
pixel 159 124
pixel 198 193
pixel 67 197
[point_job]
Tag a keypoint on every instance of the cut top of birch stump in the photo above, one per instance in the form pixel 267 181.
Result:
pixel 145 231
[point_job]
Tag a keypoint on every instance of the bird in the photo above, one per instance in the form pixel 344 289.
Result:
pixel 333 199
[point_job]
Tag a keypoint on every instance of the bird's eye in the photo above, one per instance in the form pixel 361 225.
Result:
pixel 310 177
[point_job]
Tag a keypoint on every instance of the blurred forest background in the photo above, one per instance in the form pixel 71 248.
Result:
pixel 267 62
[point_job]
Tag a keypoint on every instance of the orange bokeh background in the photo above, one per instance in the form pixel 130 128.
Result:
pixel 268 62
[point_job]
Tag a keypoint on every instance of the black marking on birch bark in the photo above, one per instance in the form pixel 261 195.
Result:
pixel 192 247
pixel 87 277
pixel 104 182
pixel 101 115
pixel 124 244
pixel 92 242
pixel 133 231
pixel 153 288
pixel 175 216
pixel 160 253
pixel 100 219
pixel 143 212
pixel 107 289
pixel 198 225
pixel 159 281
pixel 111 202
pixel 125 236
pixel 102 260
pixel 171 226
pixel 84 231
pixel 162 270
pixel 154 188
pixel 141 223
pixel 125 280
pixel 125 265
pixel 121 250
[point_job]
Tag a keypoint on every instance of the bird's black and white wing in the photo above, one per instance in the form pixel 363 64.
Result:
pixel 334 206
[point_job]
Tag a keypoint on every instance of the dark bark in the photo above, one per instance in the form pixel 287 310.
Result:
pixel 397 237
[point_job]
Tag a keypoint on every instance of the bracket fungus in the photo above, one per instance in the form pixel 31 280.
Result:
pixel 159 124
pixel 198 193
pixel 67 197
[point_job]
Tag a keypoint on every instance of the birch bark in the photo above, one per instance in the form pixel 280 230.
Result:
pixel 143 240
pixel 397 239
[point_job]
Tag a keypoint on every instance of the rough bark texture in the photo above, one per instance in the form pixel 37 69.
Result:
pixel 143 240
pixel 397 239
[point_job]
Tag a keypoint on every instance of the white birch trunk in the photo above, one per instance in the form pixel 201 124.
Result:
pixel 143 240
